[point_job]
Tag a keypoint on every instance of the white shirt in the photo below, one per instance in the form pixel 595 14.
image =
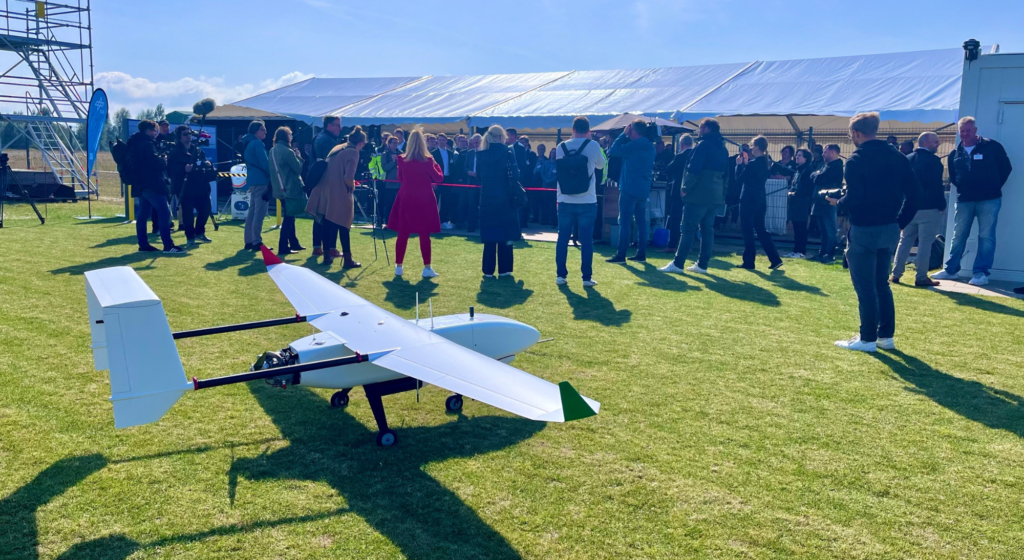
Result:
pixel 969 149
pixel 595 161
pixel 444 160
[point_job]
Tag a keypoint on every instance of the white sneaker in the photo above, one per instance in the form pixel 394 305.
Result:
pixel 980 279
pixel 489 276
pixel 943 275
pixel 589 283
pixel 886 344
pixel 695 268
pixel 505 274
pixel 398 270
pixel 671 267
pixel 560 281
pixel 857 345
pixel 447 225
pixel 429 272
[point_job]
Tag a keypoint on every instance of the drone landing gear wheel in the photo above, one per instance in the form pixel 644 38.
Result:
pixel 339 399
pixel 453 403
pixel 387 438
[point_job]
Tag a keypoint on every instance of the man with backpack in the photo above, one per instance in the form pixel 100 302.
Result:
pixel 577 161
pixel 147 173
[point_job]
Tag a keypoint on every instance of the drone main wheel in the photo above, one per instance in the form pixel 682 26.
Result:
pixel 453 403
pixel 387 438
pixel 339 399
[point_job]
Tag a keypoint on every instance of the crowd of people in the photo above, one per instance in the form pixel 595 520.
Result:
pixel 893 194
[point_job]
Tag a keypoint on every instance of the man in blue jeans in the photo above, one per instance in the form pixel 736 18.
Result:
pixel 979 168
pixel 580 208
pixel 703 193
pixel 149 180
pixel 637 153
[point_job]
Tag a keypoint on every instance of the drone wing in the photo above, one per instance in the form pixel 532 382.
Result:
pixel 422 354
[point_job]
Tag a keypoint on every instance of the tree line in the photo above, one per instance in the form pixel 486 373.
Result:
pixel 12 139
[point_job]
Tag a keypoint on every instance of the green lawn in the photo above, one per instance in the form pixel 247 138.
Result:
pixel 730 426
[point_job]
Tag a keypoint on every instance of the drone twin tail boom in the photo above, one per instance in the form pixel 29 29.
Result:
pixel 359 344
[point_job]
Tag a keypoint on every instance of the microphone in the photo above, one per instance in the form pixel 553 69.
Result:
pixel 204 107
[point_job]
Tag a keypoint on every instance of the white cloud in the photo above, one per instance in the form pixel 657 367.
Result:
pixel 123 85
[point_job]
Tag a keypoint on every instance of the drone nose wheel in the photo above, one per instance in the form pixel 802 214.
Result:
pixel 386 438
pixel 340 399
pixel 453 403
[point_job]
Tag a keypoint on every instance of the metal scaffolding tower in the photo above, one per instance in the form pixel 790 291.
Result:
pixel 44 91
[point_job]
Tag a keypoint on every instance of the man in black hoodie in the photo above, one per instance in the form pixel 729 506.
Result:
pixel 927 221
pixel 150 184
pixel 979 168
pixel 881 198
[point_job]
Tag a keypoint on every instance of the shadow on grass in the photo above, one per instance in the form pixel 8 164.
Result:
pixel 123 260
pixel 980 303
pixel 786 283
pixel 653 278
pixel 502 292
pixel 975 401
pixel 117 242
pixel 387 487
pixel 402 293
pixel 595 307
pixel 20 537
pixel 248 263
pixel 738 290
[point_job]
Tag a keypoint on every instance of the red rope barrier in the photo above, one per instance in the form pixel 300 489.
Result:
pixel 358 184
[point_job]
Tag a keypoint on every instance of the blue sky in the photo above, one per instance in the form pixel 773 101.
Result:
pixel 143 59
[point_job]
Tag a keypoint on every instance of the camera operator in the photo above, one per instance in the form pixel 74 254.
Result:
pixel 190 182
pixel 150 180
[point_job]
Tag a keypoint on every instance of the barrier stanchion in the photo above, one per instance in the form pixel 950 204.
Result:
pixel 279 216
pixel 129 203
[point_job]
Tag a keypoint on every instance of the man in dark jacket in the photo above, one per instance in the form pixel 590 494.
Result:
pixel 637 153
pixel 927 221
pixel 150 185
pixel 190 182
pixel 828 179
pixel 979 168
pixel 675 169
pixel 446 196
pixel 703 194
pixel 881 198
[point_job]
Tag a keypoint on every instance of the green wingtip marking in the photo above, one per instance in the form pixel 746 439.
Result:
pixel 573 405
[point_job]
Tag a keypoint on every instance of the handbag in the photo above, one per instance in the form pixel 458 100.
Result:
pixel 516 192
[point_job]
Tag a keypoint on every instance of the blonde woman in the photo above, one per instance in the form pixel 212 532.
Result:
pixel 497 171
pixel 415 208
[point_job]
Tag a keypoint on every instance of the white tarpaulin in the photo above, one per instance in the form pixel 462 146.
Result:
pixel 313 98
pixel 443 99
pixel 601 94
pixel 917 86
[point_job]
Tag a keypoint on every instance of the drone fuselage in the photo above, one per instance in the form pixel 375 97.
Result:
pixel 493 336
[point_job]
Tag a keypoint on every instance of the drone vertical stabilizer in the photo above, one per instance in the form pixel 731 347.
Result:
pixel 132 339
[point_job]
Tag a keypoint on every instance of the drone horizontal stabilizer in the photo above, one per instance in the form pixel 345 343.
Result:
pixel 574 407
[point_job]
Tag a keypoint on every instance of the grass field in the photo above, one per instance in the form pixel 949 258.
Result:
pixel 730 426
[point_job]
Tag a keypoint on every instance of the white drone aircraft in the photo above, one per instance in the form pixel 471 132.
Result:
pixel 359 344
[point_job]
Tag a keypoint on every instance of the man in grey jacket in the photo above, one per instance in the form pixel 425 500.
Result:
pixel 258 179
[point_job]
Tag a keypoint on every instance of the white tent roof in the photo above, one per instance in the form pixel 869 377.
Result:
pixel 602 94
pixel 916 86
pixel 443 99
pixel 316 97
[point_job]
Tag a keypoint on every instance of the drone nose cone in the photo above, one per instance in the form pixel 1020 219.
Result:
pixel 269 258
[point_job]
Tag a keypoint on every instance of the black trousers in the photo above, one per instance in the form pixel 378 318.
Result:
pixel 287 240
pixel 331 233
pixel 502 252
pixel 200 206
pixel 800 236
pixel 675 215
pixel 752 214
pixel 469 207
pixel 318 234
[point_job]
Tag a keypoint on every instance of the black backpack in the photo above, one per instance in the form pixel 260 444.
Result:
pixel 119 152
pixel 315 171
pixel 573 170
